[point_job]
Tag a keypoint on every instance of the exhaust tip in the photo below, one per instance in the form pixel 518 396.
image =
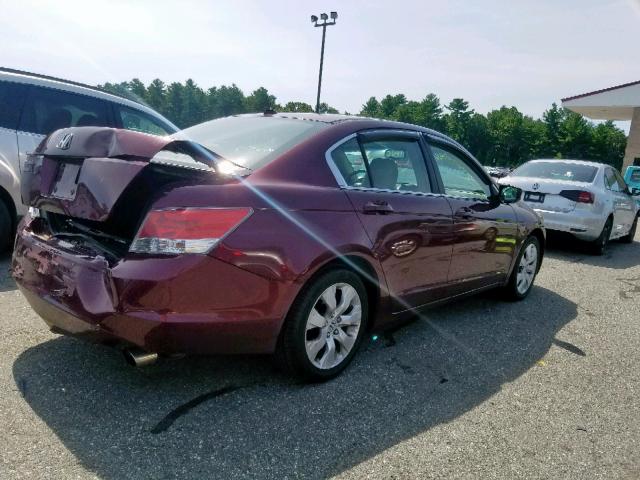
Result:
pixel 138 357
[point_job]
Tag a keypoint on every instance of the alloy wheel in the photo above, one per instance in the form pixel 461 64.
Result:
pixel 527 269
pixel 333 325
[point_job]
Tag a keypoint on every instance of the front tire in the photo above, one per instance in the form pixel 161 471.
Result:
pixel 525 270
pixel 324 327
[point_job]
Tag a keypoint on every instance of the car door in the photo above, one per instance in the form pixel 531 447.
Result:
pixel 49 109
pixel 623 204
pixel 484 230
pixel 626 203
pixel 385 175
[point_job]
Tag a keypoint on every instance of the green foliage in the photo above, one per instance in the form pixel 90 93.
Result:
pixel 502 137
pixel 298 107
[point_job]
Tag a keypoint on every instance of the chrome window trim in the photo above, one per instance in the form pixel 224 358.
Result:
pixel 342 184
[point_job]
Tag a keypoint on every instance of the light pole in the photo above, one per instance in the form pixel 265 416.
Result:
pixel 324 24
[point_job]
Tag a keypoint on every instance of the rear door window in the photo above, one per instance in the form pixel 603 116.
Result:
pixel 11 100
pixel 49 109
pixel 611 181
pixel 138 121
pixel 389 164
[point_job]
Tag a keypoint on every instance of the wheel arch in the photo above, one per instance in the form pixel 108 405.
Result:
pixel 6 198
pixel 357 264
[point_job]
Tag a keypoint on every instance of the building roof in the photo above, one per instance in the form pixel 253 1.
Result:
pixel 613 103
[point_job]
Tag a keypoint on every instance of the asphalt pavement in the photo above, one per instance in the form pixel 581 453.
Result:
pixel 544 388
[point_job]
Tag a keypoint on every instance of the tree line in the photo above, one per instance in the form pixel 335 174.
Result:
pixel 503 137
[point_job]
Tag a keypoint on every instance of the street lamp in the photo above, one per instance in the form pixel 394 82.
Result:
pixel 324 24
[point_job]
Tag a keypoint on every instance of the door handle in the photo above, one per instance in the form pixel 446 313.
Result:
pixel 465 212
pixel 377 207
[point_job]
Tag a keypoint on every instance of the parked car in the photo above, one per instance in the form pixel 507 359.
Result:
pixel 497 172
pixel 632 179
pixel 268 233
pixel 587 199
pixel 32 106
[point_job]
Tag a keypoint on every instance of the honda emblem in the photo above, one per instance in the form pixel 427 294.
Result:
pixel 65 142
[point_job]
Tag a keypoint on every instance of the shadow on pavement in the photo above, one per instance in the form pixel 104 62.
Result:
pixel 237 417
pixel 618 255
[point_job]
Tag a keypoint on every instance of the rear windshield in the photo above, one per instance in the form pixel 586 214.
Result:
pixel 635 176
pixel 557 170
pixel 251 142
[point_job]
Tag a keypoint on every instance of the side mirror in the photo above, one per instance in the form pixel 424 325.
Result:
pixel 509 194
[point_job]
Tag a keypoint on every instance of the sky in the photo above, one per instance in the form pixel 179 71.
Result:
pixel 491 53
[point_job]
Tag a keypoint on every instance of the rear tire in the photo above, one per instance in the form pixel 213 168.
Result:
pixel 6 227
pixel 599 246
pixel 628 238
pixel 524 271
pixel 319 338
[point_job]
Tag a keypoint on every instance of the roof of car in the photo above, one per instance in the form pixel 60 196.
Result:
pixel 335 118
pixel 21 76
pixel 568 160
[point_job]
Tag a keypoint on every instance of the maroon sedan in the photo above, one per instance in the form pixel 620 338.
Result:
pixel 292 234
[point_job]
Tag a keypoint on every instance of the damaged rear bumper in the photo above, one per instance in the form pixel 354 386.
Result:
pixel 193 304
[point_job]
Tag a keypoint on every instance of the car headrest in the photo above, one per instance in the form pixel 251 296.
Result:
pixel 384 172
pixel 88 120
pixel 60 118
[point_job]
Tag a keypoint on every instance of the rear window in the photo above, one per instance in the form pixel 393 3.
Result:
pixel 141 122
pixel 251 142
pixel 635 176
pixel 557 170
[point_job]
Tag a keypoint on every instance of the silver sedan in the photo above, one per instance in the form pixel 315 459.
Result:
pixel 587 199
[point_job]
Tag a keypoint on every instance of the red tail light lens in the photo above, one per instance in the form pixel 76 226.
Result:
pixel 585 197
pixel 580 196
pixel 186 230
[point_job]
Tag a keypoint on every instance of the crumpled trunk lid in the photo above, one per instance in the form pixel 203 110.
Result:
pixel 96 184
pixel 82 172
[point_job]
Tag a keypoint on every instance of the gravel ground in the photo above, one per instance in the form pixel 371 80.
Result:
pixel 545 388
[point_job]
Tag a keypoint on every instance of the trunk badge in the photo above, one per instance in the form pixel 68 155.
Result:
pixel 535 186
pixel 65 142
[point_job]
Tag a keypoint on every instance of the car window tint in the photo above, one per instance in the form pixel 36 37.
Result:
pixel 48 109
pixel 622 185
pixel 11 99
pixel 348 159
pixel 458 177
pixel 397 164
pixel 138 121
pixel 611 182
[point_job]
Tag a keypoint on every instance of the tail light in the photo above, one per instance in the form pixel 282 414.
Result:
pixel 580 196
pixel 186 230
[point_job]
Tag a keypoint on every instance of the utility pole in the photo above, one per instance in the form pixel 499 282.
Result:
pixel 324 24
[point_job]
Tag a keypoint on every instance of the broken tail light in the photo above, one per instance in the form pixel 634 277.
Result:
pixel 186 230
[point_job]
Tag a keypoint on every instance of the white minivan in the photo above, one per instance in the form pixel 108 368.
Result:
pixel 32 106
